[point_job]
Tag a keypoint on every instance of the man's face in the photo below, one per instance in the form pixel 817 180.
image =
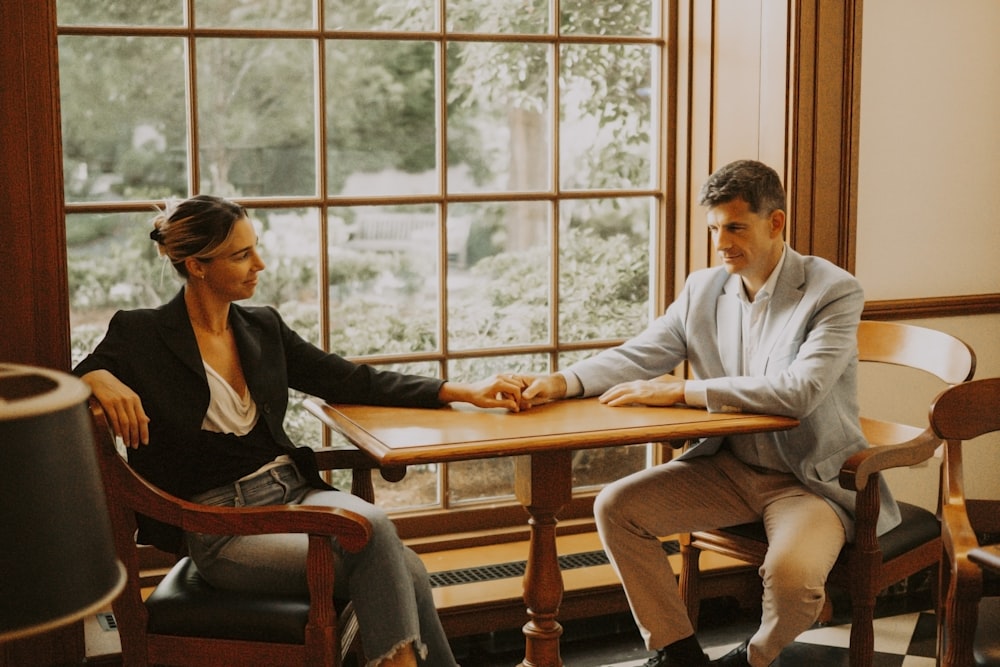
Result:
pixel 747 244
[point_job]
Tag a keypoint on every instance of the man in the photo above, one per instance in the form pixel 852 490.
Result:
pixel 768 331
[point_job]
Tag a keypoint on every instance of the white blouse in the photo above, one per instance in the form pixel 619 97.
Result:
pixel 228 412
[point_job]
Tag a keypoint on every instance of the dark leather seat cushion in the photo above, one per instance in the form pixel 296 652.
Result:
pixel 185 604
pixel 986 649
pixel 918 527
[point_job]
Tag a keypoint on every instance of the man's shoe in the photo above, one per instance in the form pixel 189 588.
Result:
pixel 661 659
pixel 736 658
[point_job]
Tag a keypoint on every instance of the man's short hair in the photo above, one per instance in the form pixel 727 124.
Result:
pixel 753 182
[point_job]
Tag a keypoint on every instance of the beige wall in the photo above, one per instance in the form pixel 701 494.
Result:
pixel 929 164
pixel 929 187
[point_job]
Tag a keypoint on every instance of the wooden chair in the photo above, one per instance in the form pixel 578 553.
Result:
pixel 185 621
pixel 869 564
pixel 968 622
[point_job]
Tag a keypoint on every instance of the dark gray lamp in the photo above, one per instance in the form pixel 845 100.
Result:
pixel 57 557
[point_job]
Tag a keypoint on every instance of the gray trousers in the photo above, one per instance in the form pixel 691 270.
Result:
pixel 804 535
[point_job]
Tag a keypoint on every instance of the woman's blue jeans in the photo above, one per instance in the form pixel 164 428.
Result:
pixel 386 580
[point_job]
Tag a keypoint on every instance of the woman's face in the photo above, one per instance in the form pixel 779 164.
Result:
pixel 232 273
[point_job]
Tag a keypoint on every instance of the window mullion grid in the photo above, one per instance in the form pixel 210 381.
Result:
pixel 554 217
pixel 322 274
pixel 441 113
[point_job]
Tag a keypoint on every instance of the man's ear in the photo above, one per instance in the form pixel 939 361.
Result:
pixel 777 222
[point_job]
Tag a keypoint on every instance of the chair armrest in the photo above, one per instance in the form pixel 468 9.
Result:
pixel 342 458
pixel 959 538
pixel 351 530
pixel 918 447
pixel 131 490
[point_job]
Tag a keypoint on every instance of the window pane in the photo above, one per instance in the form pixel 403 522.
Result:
pixel 383 279
pixel 418 489
pixel 498 118
pixel 604 268
pixel 630 17
pixel 595 467
pixel 290 281
pixel 381 118
pixel 525 17
pixel 606 139
pixel 112 266
pixel 502 298
pixel 306 431
pixel 471 370
pixel 486 479
pixel 470 481
pixel 256 117
pixel 123 117
pixel 410 15
pixel 254 13
pixel 118 12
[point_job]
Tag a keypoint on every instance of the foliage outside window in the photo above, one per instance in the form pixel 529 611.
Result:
pixel 448 187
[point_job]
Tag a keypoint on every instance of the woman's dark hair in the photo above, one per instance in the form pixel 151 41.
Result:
pixel 753 182
pixel 194 227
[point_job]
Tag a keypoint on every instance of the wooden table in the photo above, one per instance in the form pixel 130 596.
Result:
pixel 987 557
pixel 543 440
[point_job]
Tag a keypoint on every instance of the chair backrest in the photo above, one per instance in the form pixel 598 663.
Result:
pixel 967 411
pixel 120 482
pixel 961 413
pixel 966 621
pixel 933 352
pixel 929 350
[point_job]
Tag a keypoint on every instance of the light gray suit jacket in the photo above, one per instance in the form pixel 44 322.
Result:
pixel 806 367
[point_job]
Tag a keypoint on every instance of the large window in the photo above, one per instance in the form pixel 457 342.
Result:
pixel 448 187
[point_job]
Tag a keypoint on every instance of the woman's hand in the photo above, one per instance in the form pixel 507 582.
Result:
pixel 662 391
pixel 122 406
pixel 498 391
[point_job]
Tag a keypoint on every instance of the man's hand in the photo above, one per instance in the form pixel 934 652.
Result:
pixel 122 406
pixel 662 391
pixel 542 389
pixel 498 391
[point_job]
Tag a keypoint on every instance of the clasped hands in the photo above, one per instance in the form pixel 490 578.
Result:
pixel 518 392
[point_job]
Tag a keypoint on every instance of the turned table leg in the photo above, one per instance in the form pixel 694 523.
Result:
pixel 543 484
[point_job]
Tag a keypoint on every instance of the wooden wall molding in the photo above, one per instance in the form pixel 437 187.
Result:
pixel 933 307
pixel 825 83
pixel 34 302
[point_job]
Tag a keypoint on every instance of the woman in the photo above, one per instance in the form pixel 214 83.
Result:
pixel 198 388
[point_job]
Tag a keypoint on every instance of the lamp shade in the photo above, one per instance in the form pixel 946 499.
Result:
pixel 57 557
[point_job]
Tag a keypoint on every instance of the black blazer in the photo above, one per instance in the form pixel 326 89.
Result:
pixel 154 351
